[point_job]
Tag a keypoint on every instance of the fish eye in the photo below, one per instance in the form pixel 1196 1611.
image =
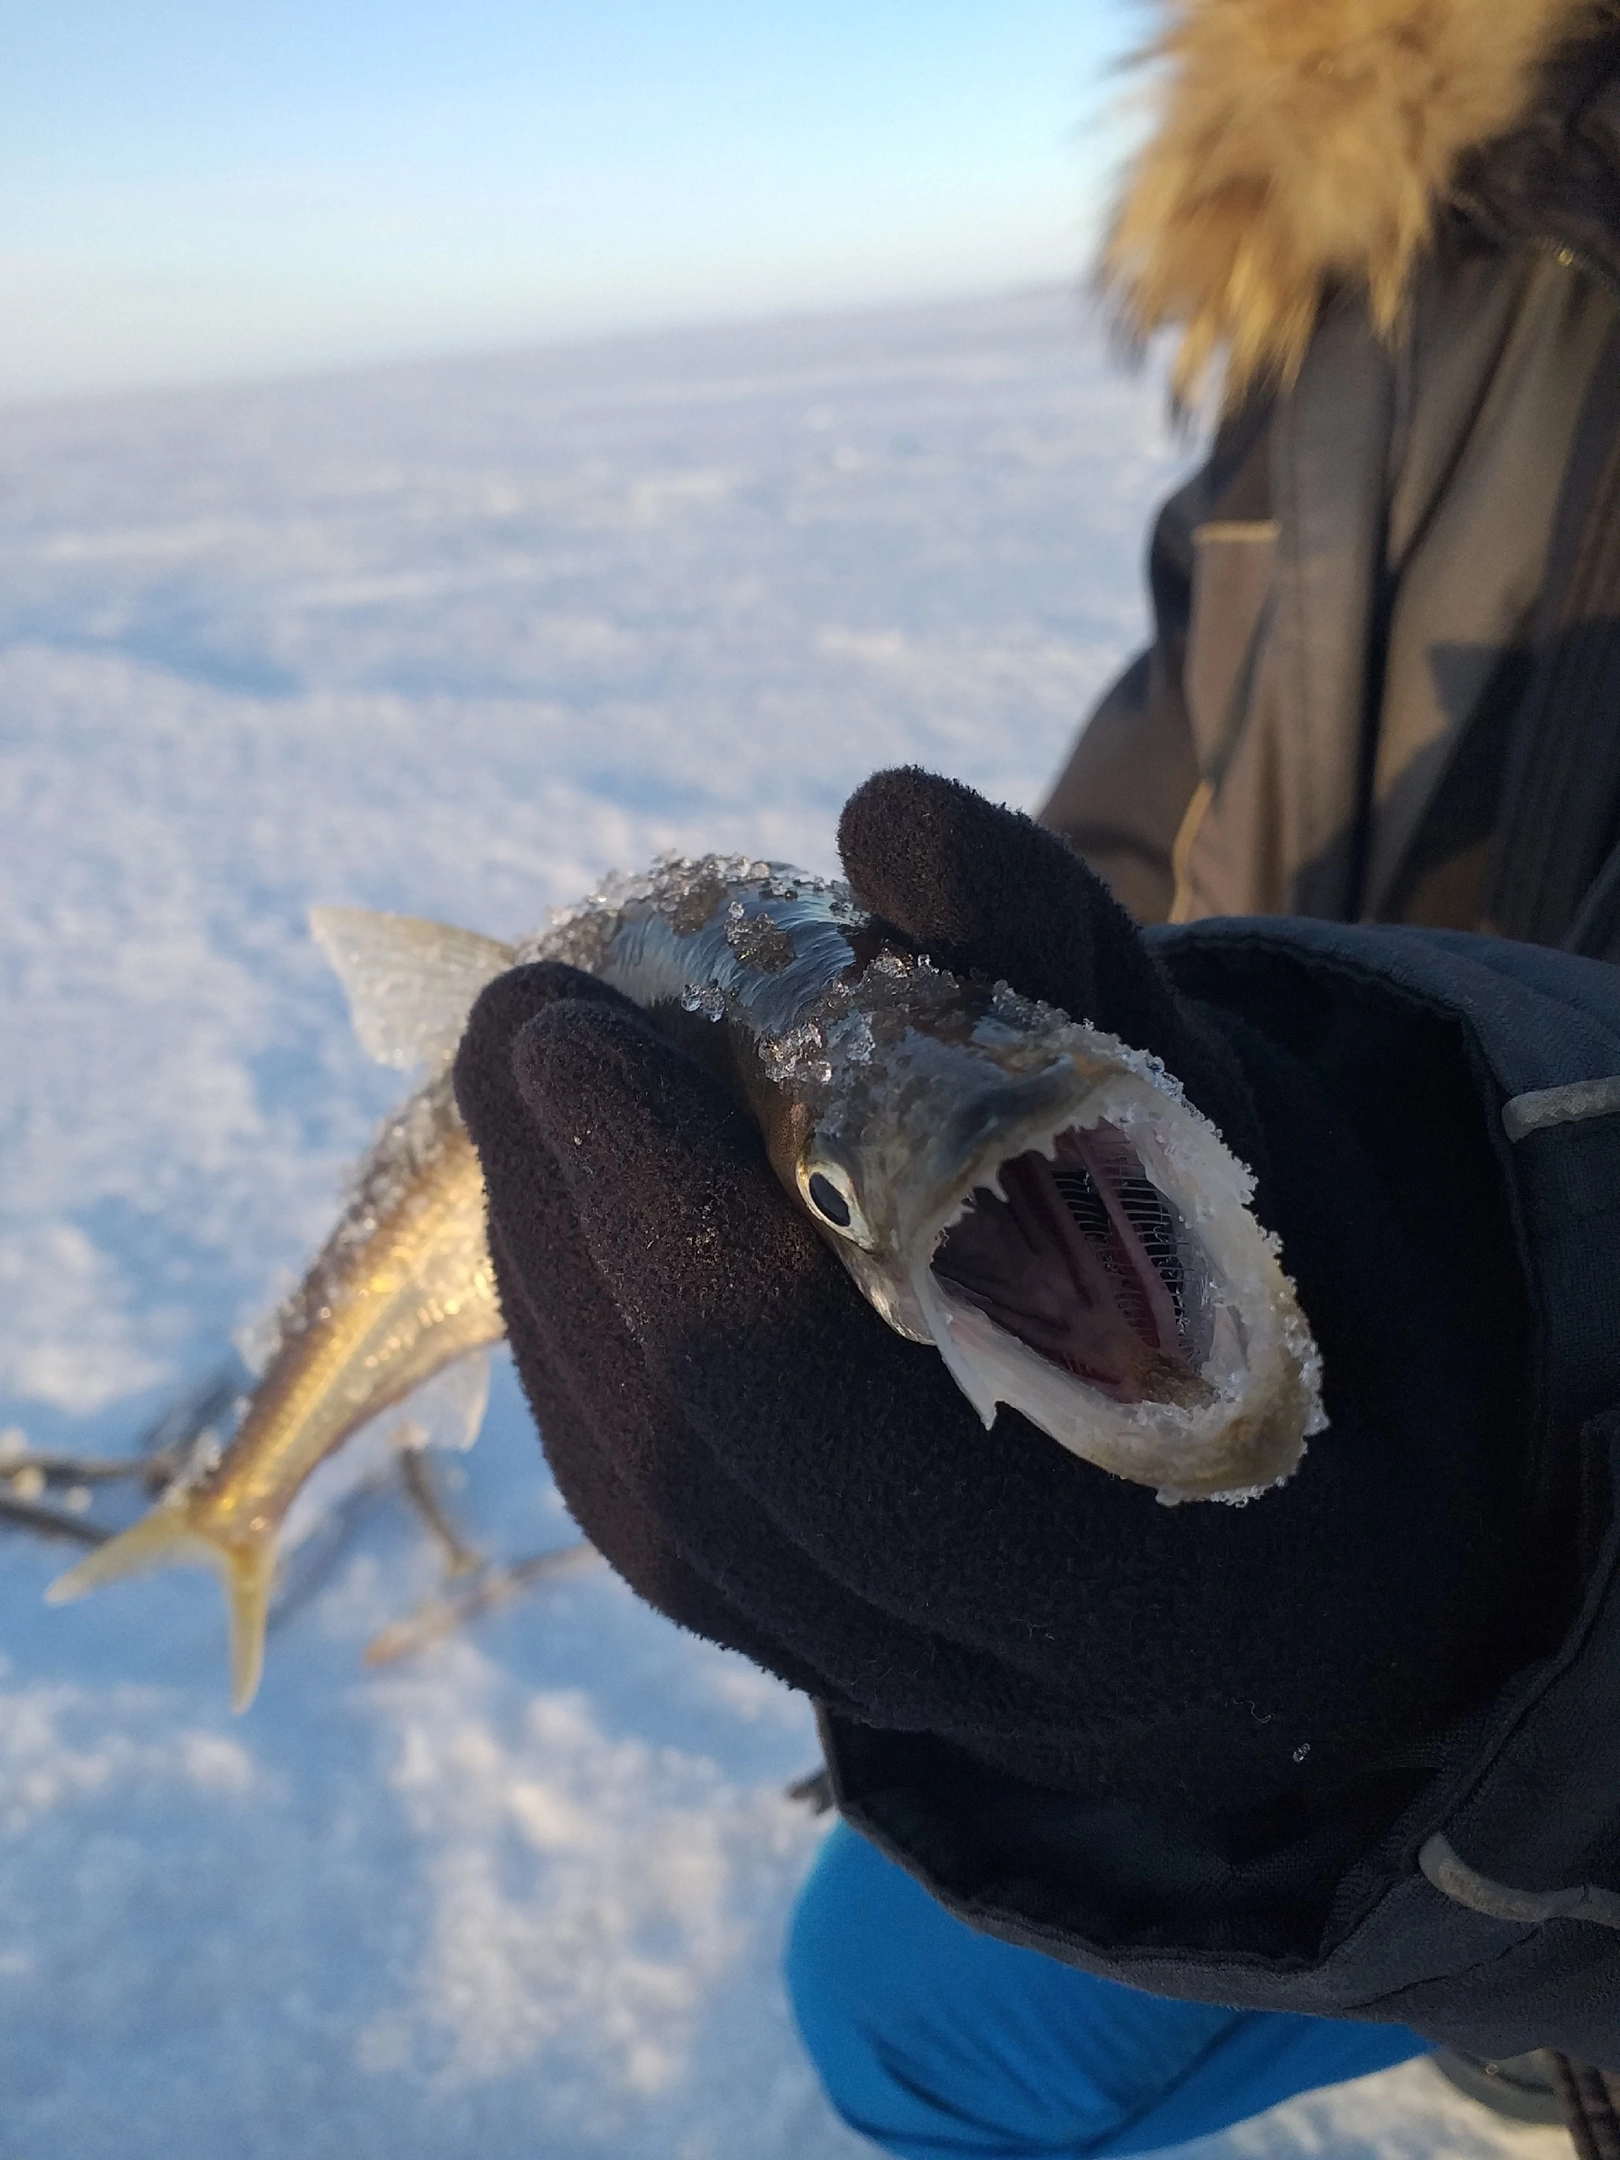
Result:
pixel 829 1190
pixel 826 1196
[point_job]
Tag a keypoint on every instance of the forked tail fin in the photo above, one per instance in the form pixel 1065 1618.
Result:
pixel 166 1538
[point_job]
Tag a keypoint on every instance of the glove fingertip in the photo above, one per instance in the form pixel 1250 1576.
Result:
pixel 900 840
pixel 981 887
pixel 598 1077
pixel 502 1009
pixel 504 1006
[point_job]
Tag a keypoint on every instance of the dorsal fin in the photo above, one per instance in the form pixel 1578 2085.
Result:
pixel 410 983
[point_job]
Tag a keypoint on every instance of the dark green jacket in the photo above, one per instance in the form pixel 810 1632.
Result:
pixel 1385 678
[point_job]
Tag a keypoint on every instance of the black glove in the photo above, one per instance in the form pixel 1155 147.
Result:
pixel 767 1463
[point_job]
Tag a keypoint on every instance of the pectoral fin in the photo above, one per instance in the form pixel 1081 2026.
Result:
pixel 446 1411
pixel 166 1538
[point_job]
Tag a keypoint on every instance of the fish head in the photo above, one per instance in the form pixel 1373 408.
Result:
pixel 1039 1201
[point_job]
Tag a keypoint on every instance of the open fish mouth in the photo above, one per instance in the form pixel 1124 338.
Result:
pixel 1101 1274
pixel 1081 1257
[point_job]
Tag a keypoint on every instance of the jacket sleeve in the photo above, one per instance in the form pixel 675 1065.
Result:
pixel 1121 796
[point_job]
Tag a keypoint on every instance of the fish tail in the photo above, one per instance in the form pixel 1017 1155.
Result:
pixel 168 1538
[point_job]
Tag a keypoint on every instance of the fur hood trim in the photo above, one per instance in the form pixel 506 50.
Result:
pixel 1307 143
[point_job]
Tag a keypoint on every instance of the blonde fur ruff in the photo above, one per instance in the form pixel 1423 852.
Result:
pixel 1303 144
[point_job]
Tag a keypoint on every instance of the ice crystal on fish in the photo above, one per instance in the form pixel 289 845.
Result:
pixel 797 1057
pixel 759 942
pixel 852 1039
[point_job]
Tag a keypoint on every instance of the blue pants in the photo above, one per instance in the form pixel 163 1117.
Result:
pixel 934 2040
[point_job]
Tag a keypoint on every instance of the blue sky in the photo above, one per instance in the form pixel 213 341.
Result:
pixel 192 189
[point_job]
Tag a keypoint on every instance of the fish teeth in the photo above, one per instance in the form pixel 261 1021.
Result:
pixel 949 1221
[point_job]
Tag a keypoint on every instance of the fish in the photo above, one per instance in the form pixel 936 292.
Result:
pixel 1008 1183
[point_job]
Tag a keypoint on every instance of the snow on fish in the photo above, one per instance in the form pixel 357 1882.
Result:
pixel 1015 1186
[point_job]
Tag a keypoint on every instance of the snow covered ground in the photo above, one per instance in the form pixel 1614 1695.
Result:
pixel 453 640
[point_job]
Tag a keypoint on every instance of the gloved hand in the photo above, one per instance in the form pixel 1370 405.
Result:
pixel 767 1463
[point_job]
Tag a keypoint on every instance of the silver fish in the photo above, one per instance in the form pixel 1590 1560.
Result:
pixel 1019 1188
